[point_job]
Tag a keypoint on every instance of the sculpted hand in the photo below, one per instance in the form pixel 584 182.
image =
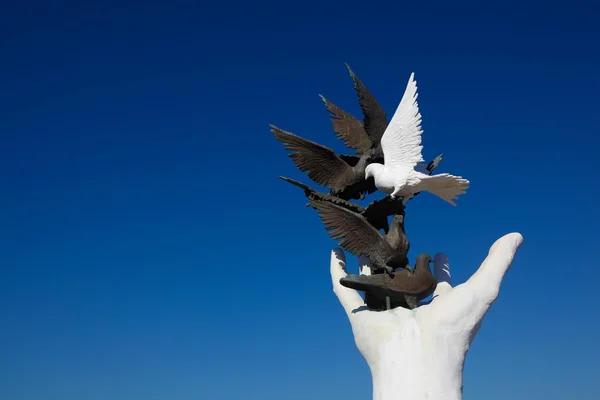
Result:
pixel 419 354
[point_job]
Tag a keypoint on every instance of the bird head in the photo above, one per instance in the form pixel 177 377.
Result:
pixel 425 258
pixel 372 170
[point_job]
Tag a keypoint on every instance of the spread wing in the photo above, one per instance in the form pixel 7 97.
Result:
pixel 375 121
pixel 324 167
pixel 401 142
pixel 348 128
pixel 356 234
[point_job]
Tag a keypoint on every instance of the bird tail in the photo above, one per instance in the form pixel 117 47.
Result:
pixel 315 195
pixel 300 185
pixel 445 186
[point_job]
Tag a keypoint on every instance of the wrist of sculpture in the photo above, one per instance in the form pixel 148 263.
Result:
pixel 417 373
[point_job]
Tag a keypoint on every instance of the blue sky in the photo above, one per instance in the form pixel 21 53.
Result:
pixel 149 251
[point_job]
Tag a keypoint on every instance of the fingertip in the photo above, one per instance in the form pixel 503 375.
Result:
pixel 349 298
pixel 440 263
pixel 441 272
pixel 517 237
pixel 338 265
pixel 364 265
pixel 488 277
pixel 440 258
pixel 514 238
pixel 338 255
pixel 508 243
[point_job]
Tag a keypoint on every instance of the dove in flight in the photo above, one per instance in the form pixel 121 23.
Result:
pixel 401 145
pixel 344 175
pixel 365 136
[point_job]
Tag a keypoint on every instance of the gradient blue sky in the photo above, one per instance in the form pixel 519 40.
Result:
pixel 149 251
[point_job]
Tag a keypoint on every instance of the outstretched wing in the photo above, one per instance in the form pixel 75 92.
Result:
pixel 324 167
pixel 348 128
pixel 356 234
pixel 401 142
pixel 375 121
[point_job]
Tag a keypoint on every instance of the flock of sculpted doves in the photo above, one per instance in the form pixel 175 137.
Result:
pixel 387 158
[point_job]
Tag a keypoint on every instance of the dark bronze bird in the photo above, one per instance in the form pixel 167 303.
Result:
pixel 344 176
pixel 362 135
pixel 406 286
pixel 376 213
pixel 348 128
pixel 386 252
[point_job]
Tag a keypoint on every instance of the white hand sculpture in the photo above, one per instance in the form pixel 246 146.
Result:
pixel 419 354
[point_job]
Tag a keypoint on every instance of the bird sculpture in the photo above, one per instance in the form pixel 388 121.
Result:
pixel 386 252
pixel 365 136
pixel 401 146
pixel 376 213
pixel 345 176
pixel 405 287
pixel 351 131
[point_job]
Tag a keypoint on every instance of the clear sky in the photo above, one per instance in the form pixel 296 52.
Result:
pixel 149 251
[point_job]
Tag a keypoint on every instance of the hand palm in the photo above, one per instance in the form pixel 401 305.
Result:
pixel 436 335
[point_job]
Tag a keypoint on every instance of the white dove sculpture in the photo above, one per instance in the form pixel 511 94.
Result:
pixel 401 145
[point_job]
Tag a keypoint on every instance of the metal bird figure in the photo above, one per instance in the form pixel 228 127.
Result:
pixel 360 135
pixel 345 176
pixel 365 136
pixel 376 213
pixel 405 287
pixel 386 252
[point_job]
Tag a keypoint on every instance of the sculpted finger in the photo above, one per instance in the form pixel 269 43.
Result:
pixel 441 271
pixel 349 298
pixel 364 265
pixel 466 305
pixel 485 282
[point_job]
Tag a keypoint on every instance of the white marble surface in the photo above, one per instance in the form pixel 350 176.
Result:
pixel 419 354
pixel 401 145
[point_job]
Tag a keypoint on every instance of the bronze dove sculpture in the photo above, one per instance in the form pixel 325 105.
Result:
pixel 386 252
pixel 407 286
pixel 360 135
pixel 345 176
pixel 365 136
